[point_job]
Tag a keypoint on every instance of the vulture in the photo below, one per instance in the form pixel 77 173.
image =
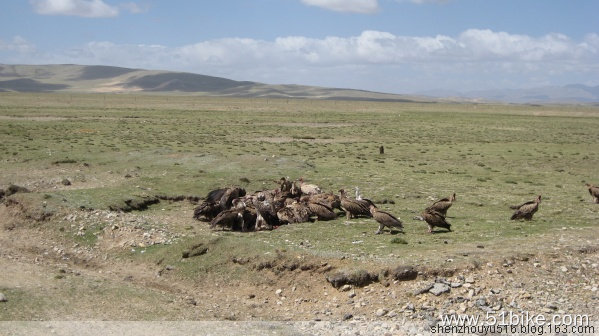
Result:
pixel 266 215
pixel 206 211
pixel 216 201
pixel 434 219
pixel 226 200
pixel 526 210
pixel 328 199
pixel 594 191
pixel 321 211
pixel 232 218
pixel 308 189
pixel 441 206
pixel 297 212
pixel 385 219
pixel 355 208
pixel 285 185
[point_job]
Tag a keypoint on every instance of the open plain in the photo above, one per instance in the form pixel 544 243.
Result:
pixel 108 245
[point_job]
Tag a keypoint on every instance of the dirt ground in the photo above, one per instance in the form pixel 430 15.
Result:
pixel 47 277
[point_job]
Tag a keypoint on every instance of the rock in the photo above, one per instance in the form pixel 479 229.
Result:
pixel 409 307
pixel 423 290
pixel 66 182
pixel 439 288
pixel 482 302
pixel 347 317
pixel 455 284
pixel 3 298
pixel 469 280
pixel 359 278
pixel 404 273
pixel 381 312
pixel 279 292
pixel 564 269
pixel 352 295
pixel 392 314
pixel 345 288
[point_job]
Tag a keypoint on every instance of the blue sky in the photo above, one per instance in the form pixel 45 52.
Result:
pixel 399 46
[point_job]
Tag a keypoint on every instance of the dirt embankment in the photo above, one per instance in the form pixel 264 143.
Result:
pixel 50 255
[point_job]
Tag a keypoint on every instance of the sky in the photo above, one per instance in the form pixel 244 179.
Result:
pixel 395 46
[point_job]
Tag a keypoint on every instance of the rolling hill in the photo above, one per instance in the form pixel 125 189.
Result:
pixel 106 79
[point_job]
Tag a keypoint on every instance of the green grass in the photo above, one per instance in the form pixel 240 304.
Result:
pixel 491 156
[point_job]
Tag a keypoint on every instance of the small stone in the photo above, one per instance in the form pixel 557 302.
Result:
pixel 439 288
pixel 352 295
pixel 3 298
pixel 423 290
pixel 392 314
pixel 279 292
pixel 456 284
pixel 345 288
pixel 381 312
pixel 66 182
pixel 564 269
pixel 469 280
pixel 347 317
pixel 482 302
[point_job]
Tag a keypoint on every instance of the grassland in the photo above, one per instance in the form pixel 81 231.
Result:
pixel 119 147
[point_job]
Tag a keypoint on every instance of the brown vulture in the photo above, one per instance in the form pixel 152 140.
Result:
pixel 321 211
pixel 526 210
pixel 330 200
pixel 594 191
pixel 354 207
pixel 266 215
pixel 385 219
pixel 233 218
pixel 297 212
pixel 441 206
pixel 216 201
pixel 434 219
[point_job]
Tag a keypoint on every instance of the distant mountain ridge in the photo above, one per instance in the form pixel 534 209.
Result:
pixel 573 93
pixel 104 79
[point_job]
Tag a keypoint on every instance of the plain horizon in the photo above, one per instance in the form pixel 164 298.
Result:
pixel 391 46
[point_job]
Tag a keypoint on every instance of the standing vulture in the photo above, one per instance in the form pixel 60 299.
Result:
pixel 385 219
pixel 232 218
pixel 526 210
pixel 441 206
pixel 594 191
pixel 434 219
pixel 355 208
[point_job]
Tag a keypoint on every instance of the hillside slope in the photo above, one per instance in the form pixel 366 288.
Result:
pixel 105 79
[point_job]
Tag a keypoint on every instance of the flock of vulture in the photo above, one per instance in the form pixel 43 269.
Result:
pixel 297 202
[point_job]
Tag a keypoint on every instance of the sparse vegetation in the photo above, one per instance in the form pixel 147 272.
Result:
pixel 142 152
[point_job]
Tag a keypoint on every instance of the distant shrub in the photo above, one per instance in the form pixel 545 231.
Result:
pixel 398 240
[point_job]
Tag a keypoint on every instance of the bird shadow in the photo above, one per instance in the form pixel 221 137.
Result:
pixel 440 231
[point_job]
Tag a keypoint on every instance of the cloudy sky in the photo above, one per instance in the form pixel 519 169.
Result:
pixel 398 46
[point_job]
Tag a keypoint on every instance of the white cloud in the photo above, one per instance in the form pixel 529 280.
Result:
pixel 18 44
pixel 134 8
pixel 84 8
pixel 373 60
pixel 354 6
